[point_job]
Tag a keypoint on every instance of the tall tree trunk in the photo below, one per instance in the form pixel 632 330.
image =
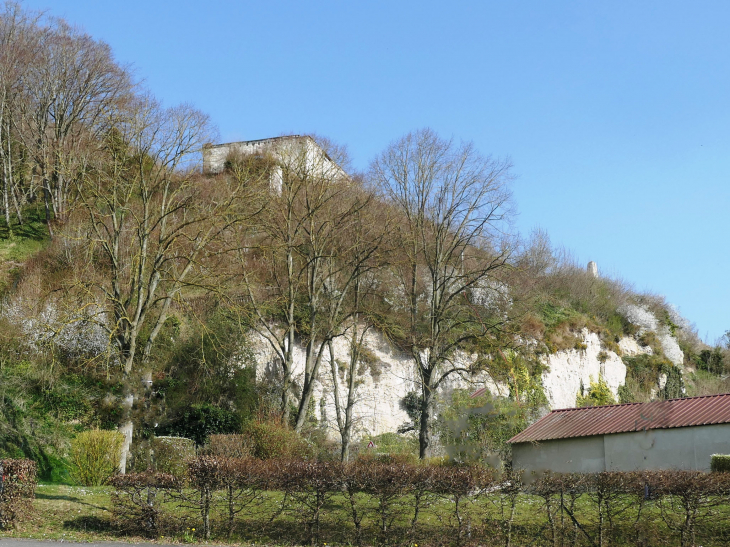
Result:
pixel 336 395
pixel 11 181
pixel 289 350
pixel 47 203
pixel 6 201
pixel 15 200
pixel 355 350
pixel 286 365
pixel 126 428
pixel 7 166
pixel 310 377
pixel 424 433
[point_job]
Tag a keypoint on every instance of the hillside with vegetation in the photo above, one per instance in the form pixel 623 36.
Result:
pixel 137 291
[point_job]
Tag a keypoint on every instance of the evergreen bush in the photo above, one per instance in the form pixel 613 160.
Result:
pixel 200 421
pixel 720 463
pixel 598 394
pixel 95 456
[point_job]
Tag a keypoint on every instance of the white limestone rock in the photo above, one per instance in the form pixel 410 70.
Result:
pixel 647 321
pixel 382 388
pixel 568 368
pixel 392 375
pixel 630 347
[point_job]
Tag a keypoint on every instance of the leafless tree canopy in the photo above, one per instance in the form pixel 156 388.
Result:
pixel 452 203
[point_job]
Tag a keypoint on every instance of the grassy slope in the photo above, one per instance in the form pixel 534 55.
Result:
pixel 22 421
pixel 26 240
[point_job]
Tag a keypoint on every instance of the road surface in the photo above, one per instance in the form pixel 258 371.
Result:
pixel 50 543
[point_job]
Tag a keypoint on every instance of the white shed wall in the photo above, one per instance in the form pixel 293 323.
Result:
pixel 686 448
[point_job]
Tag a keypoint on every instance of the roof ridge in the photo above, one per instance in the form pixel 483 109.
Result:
pixel 694 397
pixel 569 409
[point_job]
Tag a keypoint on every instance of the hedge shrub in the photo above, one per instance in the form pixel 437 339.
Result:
pixel 95 456
pixel 228 446
pixel 369 502
pixel 170 455
pixel 17 489
pixel 273 440
pixel 138 499
pixel 720 463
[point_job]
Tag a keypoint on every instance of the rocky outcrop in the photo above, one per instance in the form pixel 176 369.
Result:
pixel 568 370
pixel 630 347
pixel 647 321
pixel 383 383
pixel 391 374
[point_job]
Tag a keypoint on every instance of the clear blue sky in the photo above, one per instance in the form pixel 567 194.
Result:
pixel 616 114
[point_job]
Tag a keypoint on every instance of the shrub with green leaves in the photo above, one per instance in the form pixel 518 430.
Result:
pixel 477 428
pixel 200 421
pixel 644 371
pixel 95 456
pixel 271 440
pixel 598 394
pixel 711 360
pixel 720 463
pixel 170 454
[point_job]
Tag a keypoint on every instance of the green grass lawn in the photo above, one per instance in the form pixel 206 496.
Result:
pixel 60 512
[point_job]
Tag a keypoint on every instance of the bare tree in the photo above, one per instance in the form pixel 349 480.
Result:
pixel 452 201
pixel 72 88
pixel 364 254
pixel 19 46
pixel 153 226
pixel 297 277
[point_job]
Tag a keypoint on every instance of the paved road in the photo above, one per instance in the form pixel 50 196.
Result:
pixel 49 543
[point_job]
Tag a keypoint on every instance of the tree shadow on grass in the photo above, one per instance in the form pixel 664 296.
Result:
pixel 41 496
pixel 34 226
pixel 88 523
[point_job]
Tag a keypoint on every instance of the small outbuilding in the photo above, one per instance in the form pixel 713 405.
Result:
pixel 662 435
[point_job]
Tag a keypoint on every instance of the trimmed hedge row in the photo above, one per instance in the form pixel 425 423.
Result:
pixel 18 480
pixel 379 502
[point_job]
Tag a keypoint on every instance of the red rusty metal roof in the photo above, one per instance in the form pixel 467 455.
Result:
pixel 479 392
pixel 601 420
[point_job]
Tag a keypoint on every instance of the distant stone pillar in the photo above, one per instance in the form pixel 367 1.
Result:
pixel 592 268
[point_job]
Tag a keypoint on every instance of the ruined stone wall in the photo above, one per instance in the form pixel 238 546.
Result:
pixel 294 153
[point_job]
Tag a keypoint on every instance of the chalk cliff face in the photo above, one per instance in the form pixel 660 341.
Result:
pixel 647 321
pixel 391 374
pixel 383 384
pixel 569 369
